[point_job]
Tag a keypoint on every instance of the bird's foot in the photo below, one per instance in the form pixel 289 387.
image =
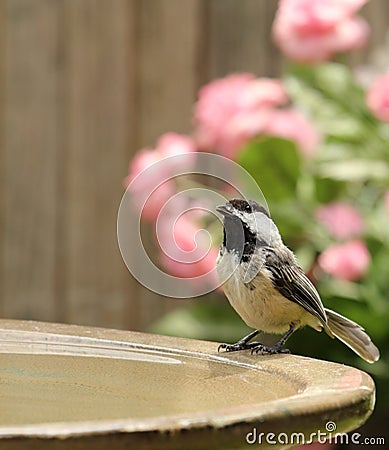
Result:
pixel 238 346
pixel 265 350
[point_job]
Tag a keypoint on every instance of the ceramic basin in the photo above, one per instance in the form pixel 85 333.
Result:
pixel 63 386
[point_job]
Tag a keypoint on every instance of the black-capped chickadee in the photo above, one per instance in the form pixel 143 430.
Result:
pixel 269 290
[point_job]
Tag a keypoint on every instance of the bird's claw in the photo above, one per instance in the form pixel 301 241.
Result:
pixel 237 346
pixel 229 347
pixel 232 347
pixel 265 350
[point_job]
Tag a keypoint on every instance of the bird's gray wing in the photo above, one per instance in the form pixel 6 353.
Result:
pixel 290 280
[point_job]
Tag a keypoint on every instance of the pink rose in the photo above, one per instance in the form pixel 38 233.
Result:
pixel 233 109
pixel 153 187
pixel 313 30
pixel 173 144
pixel 290 124
pixel 185 251
pixel 348 261
pixel 342 220
pixel 377 97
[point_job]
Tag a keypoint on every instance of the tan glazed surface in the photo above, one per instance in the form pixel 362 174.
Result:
pixel 66 386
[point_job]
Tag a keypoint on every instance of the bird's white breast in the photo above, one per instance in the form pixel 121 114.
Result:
pixel 262 307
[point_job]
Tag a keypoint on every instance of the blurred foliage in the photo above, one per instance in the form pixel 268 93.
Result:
pixel 351 165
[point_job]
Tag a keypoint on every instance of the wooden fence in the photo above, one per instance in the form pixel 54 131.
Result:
pixel 83 85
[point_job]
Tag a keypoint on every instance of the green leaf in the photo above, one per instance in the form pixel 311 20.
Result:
pixel 328 189
pixel 330 116
pixel 334 81
pixel 332 287
pixel 331 96
pixel 211 318
pixel 275 165
pixel 355 170
pixel 305 255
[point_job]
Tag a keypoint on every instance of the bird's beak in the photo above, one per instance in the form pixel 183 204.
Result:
pixel 225 210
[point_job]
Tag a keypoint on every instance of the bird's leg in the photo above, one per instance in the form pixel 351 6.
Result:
pixel 277 348
pixel 243 344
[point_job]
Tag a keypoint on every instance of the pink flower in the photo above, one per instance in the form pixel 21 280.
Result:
pixel 313 30
pixel 172 144
pixel 186 252
pixel 233 109
pixel 342 220
pixel 348 261
pixel 150 178
pixel 290 124
pixel 377 97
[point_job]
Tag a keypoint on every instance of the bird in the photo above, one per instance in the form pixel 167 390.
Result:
pixel 267 287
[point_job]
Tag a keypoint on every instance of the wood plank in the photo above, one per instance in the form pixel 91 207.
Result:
pixel 31 142
pixel 377 14
pixel 2 147
pixel 170 36
pixel 99 123
pixel 240 38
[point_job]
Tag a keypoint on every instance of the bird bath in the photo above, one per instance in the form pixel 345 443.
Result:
pixel 74 387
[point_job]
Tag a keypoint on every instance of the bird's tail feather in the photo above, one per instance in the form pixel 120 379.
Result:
pixel 353 335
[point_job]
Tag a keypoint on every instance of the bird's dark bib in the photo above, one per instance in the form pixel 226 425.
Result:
pixel 239 238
